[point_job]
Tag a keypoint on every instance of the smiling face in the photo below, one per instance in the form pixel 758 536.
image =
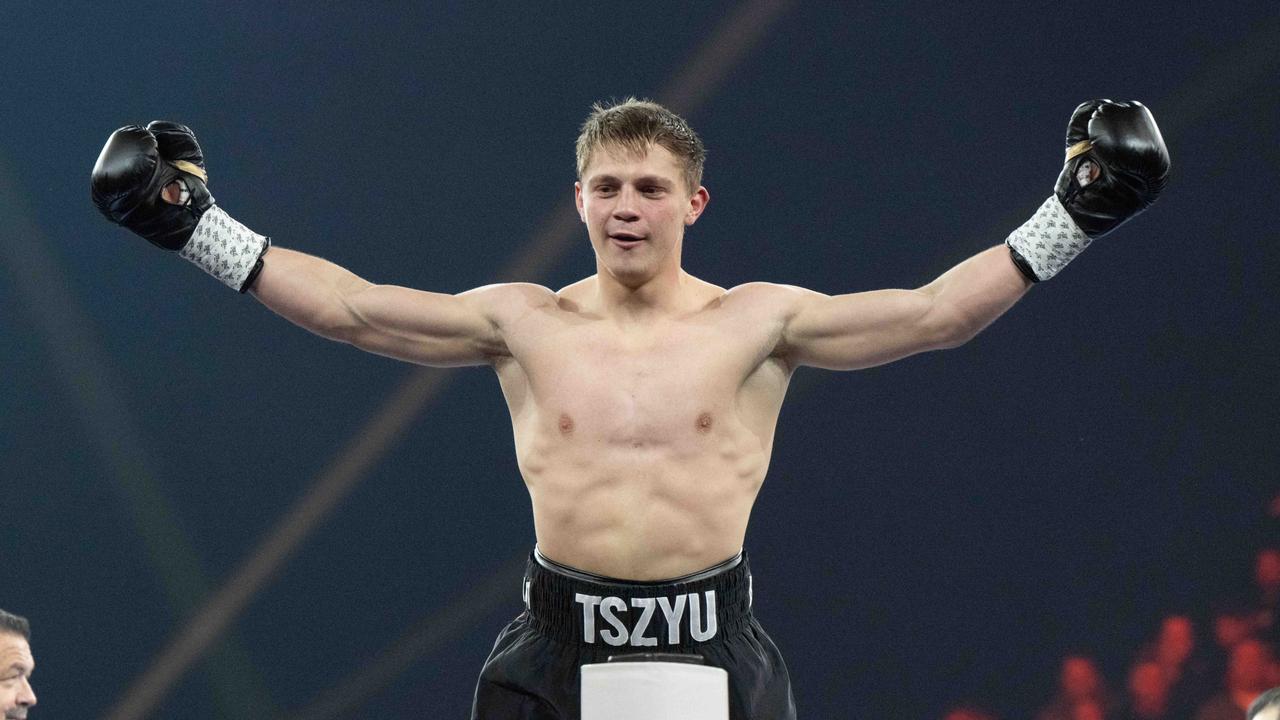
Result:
pixel 16 666
pixel 636 207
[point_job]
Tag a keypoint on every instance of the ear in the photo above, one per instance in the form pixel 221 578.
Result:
pixel 697 203
pixel 577 201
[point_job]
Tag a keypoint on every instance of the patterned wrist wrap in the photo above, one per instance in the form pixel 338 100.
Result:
pixel 1049 240
pixel 225 249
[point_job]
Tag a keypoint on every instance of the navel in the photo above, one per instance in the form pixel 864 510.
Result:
pixel 566 424
pixel 704 422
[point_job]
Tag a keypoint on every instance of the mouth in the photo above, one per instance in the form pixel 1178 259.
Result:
pixel 625 240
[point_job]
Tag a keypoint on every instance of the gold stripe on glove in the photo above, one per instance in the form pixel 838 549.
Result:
pixel 1079 148
pixel 191 169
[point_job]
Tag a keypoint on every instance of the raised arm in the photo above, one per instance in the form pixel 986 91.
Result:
pixel 859 330
pixel 1116 165
pixel 153 181
pixel 421 327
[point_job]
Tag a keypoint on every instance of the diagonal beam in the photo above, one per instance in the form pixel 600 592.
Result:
pixel 426 636
pixel 220 610
pixel 94 387
pixel 725 47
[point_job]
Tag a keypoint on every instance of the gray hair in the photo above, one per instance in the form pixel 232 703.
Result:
pixel 15 624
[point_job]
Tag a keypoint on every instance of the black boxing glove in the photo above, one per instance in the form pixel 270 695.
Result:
pixel 128 182
pixel 1116 165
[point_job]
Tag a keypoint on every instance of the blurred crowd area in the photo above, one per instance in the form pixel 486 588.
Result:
pixel 1196 665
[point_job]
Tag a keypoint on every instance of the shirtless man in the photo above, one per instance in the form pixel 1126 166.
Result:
pixel 643 399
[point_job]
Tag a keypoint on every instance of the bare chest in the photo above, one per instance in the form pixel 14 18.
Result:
pixel 666 385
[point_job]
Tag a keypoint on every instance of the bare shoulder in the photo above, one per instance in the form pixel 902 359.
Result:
pixel 768 299
pixel 506 300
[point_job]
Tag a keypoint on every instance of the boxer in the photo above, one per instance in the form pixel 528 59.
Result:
pixel 643 399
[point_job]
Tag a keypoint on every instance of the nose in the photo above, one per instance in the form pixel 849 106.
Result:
pixel 26 694
pixel 625 207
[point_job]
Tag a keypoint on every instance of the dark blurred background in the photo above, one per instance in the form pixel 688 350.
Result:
pixel 945 528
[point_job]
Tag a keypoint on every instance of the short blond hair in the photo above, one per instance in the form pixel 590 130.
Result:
pixel 635 126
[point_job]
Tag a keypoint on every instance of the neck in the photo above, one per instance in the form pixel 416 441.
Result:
pixel 663 294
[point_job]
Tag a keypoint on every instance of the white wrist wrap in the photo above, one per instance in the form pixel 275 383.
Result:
pixel 1049 240
pixel 224 248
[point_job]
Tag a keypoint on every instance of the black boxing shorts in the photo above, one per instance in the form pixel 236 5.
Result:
pixel 573 618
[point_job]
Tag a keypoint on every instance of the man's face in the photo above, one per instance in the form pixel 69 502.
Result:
pixel 16 666
pixel 636 209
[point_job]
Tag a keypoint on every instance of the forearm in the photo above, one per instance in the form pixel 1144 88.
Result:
pixel 308 291
pixel 970 296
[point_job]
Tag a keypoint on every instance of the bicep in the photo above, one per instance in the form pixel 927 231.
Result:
pixel 860 330
pixel 423 327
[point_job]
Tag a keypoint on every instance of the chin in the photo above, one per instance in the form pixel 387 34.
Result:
pixel 632 280
pixel 631 276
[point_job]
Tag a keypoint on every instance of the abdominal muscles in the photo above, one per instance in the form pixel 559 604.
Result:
pixel 641 500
